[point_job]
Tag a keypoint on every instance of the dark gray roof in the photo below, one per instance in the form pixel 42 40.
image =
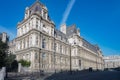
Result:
pixel 71 30
pixel 58 33
pixel 36 7
pixel 90 46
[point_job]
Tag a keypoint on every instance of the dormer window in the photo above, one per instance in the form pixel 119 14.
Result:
pixel 44 15
pixel 30 12
pixel 36 9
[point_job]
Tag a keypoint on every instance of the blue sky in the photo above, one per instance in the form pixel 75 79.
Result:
pixel 98 20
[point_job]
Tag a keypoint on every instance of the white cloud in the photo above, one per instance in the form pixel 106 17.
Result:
pixel 67 11
pixel 10 34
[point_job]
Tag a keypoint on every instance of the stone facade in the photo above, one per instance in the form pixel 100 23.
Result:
pixel 49 49
pixel 112 61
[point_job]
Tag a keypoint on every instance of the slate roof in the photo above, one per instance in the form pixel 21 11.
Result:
pixel 89 45
pixel 71 30
pixel 59 33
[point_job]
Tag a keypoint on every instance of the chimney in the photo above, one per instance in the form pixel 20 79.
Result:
pixel 63 28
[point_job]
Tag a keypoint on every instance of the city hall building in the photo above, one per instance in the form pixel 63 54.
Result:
pixel 49 49
pixel 112 61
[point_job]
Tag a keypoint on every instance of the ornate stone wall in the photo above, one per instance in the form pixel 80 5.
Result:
pixel 49 49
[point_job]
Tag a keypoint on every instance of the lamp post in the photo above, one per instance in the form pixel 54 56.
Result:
pixel 71 41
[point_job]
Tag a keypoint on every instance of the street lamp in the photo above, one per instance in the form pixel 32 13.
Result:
pixel 70 61
pixel 71 41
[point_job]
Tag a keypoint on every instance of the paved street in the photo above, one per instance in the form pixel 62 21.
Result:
pixel 105 75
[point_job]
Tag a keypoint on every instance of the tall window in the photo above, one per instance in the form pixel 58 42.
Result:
pixel 43 43
pixel 28 42
pixel 24 43
pixel 37 40
pixel 60 48
pixel 44 15
pixel 36 26
pixel 43 55
pixel 55 61
pixel 37 23
pixel 55 46
pixel 36 56
pixel 43 60
pixel 20 44
pixel 30 27
pixel 51 31
pixel 44 28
